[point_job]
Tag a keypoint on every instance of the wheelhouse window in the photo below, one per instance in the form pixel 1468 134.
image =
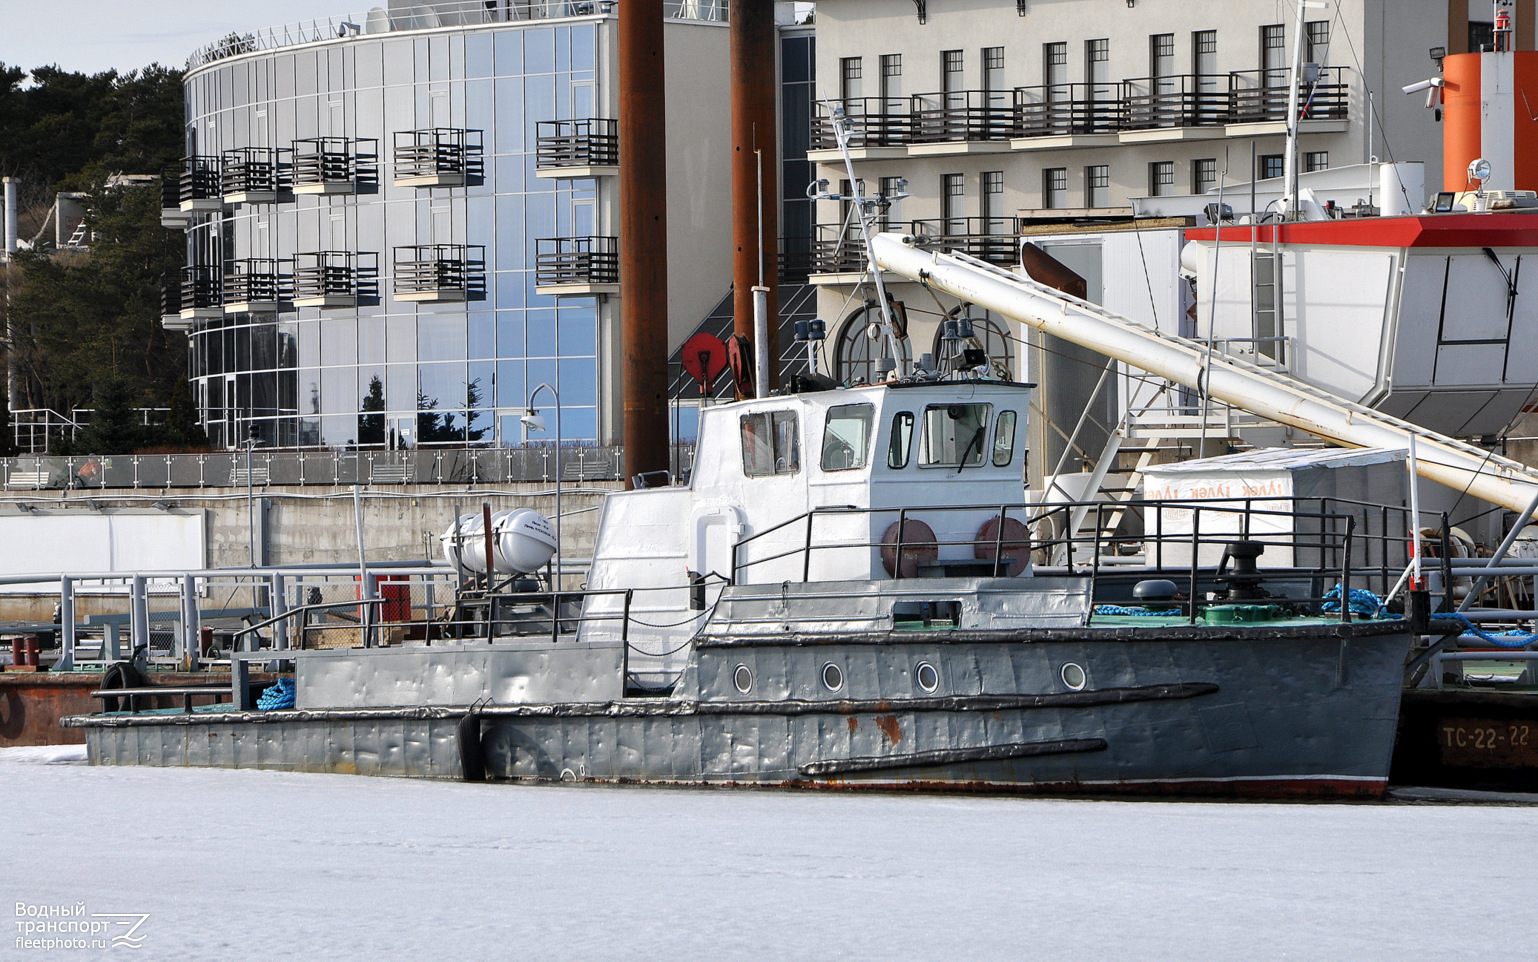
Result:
pixel 902 440
pixel 1004 439
pixel 954 434
pixel 771 443
pixel 846 437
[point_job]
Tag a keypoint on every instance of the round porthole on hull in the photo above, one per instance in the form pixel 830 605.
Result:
pixel 742 679
pixel 926 676
pixel 1074 676
pixel 832 677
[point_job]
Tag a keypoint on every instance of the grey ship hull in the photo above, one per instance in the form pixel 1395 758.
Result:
pixel 1241 710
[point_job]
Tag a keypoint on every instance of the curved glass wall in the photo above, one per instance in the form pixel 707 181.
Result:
pixel 426 358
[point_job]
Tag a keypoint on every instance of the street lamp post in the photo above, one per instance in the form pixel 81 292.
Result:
pixel 533 420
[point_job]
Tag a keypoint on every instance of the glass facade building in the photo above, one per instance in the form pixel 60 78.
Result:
pixel 404 230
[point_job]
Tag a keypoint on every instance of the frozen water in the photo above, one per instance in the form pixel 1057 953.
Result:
pixel 237 864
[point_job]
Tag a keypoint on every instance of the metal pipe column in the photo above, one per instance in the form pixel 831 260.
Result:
pixel 755 151
pixel 643 235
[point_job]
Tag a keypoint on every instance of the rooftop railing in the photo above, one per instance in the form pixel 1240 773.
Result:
pixel 428 16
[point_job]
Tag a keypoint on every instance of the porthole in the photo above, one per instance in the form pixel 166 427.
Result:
pixel 742 678
pixel 1074 676
pixel 832 677
pixel 926 676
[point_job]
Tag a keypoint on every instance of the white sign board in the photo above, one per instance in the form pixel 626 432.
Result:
pixel 46 546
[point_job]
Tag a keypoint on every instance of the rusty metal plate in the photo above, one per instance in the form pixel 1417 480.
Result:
pixel 1488 742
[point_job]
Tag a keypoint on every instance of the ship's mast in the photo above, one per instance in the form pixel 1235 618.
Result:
pixel 1294 79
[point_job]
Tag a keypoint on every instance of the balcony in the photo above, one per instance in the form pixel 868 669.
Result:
pixel 438 157
pixel 335 165
pixel 328 279
pixel 991 239
pixel 880 128
pixel 577 148
pixel 1257 102
pixel 255 175
pixel 1184 107
pixel 962 121
pixel 257 285
pixel 189 187
pixel 439 273
pixel 1066 115
pixel 576 265
pixel 837 256
pixel 192 293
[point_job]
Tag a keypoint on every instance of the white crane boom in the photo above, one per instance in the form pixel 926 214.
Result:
pixel 1454 463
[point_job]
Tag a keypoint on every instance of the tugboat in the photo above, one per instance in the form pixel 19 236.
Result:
pixel 846 593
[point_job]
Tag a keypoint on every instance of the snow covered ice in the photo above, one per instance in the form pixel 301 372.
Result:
pixel 246 864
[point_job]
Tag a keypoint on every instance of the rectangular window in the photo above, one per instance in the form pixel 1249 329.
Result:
pixel 851 71
pixel 1316 37
pixel 1004 439
pixel 1161 55
pixel 1315 160
pixel 950 71
pixel 1161 178
pixel 771 443
pixel 1267 314
pixel 1204 175
pixel 1270 166
pixel 902 440
pixel 1054 187
pixel 1204 52
pixel 892 214
pixel 993 68
pixel 992 208
pixel 954 434
pixel 892 83
pixel 1097 68
pixel 846 437
pixel 1097 186
pixel 1273 55
pixel 1054 70
pixel 953 197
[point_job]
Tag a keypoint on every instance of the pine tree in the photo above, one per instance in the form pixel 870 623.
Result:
pixel 371 422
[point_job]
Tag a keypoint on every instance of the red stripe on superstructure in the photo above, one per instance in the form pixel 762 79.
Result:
pixel 1440 230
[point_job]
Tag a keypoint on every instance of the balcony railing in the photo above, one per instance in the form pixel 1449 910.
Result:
pixel 1059 110
pixel 198 289
pixel 1260 96
pixel 438 157
pixel 836 251
pixel 427 15
pixel 875 122
pixel 962 115
pixel 1187 100
pixel 335 165
pixel 335 278
pixel 254 174
pixel 576 260
pixel 440 272
pixel 193 180
pixel 255 284
pixel 593 142
pixel 990 239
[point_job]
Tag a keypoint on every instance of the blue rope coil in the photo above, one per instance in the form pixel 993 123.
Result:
pixel 1125 610
pixel 1511 639
pixel 1362 602
pixel 278 695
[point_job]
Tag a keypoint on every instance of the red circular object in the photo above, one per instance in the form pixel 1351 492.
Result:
pixel 919 547
pixel 1015 543
pixel 704 357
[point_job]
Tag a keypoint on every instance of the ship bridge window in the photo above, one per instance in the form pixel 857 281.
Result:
pixel 1004 439
pixel 954 434
pixel 846 437
pixel 771 443
pixel 902 440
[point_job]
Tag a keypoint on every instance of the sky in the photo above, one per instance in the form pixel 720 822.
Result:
pixel 89 36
